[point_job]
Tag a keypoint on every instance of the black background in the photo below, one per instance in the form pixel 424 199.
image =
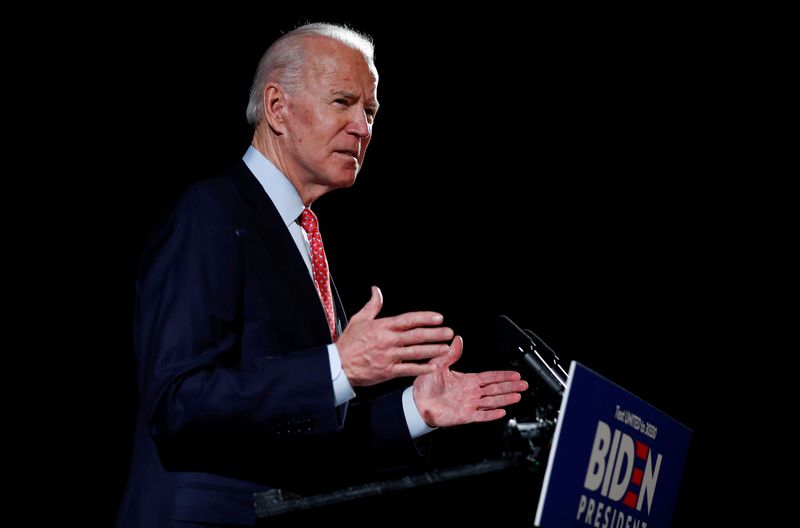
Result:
pixel 562 169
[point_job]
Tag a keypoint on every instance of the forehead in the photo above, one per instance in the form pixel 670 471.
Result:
pixel 333 63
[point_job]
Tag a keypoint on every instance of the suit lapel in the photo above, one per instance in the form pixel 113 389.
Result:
pixel 270 226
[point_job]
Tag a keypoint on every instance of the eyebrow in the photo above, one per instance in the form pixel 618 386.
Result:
pixel 353 97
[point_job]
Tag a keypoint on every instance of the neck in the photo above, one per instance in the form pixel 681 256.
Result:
pixel 267 143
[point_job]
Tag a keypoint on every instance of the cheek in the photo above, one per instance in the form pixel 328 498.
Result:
pixel 365 144
pixel 304 123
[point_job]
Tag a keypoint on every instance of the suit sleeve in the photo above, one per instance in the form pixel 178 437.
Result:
pixel 188 325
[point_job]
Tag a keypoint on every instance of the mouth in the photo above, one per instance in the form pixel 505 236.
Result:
pixel 346 152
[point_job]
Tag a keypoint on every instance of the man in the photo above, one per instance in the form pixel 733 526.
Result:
pixel 246 364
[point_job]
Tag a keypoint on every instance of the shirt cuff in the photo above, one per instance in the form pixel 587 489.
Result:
pixel 342 390
pixel 416 425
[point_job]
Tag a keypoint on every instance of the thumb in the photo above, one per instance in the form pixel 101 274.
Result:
pixel 456 348
pixel 372 308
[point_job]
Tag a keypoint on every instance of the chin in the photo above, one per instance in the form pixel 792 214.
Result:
pixel 348 181
pixel 346 178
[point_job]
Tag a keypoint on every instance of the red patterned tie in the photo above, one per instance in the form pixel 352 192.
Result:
pixel 319 265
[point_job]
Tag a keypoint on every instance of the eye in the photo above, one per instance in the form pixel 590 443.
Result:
pixel 341 101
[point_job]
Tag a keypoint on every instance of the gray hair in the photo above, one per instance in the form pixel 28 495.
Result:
pixel 284 60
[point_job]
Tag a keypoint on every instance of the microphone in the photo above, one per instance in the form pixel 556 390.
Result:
pixel 554 362
pixel 523 347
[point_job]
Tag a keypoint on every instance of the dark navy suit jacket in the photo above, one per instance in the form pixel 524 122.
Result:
pixel 235 392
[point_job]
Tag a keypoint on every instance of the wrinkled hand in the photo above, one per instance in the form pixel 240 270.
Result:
pixel 445 398
pixel 375 350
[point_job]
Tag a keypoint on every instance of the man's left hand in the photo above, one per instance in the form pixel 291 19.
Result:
pixel 445 397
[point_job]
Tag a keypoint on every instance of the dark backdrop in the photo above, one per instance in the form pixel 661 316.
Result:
pixel 554 168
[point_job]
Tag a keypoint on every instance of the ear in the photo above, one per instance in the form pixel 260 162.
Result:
pixel 275 107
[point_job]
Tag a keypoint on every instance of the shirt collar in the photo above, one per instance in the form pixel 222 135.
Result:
pixel 279 189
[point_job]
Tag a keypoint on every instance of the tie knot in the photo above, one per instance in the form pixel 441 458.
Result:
pixel 308 221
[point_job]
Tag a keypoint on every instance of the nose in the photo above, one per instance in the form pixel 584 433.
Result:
pixel 360 124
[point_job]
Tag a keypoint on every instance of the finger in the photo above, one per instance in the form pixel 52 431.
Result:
pixel 424 335
pixel 488 416
pixel 411 369
pixel 497 376
pixel 415 352
pixel 409 320
pixel 493 402
pixel 373 306
pixel 456 348
pixel 505 387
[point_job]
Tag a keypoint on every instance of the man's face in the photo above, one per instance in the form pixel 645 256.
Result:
pixel 329 122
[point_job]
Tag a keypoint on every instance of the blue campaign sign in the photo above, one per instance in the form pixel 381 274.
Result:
pixel 616 461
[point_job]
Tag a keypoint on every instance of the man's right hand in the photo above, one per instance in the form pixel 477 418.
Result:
pixel 376 350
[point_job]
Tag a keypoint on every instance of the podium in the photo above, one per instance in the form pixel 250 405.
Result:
pixel 612 460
